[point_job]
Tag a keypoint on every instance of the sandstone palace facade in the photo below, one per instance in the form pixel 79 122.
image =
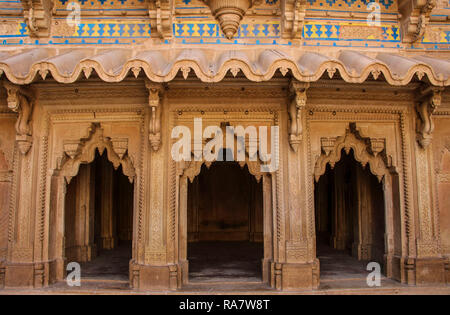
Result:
pixel 91 91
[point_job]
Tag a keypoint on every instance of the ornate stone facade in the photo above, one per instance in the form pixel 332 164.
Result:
pixel 66 99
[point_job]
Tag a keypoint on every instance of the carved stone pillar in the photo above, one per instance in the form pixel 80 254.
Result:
pixel 362 225
pixel 56 237
pixel 267 230
pixel 108 237
pixel 297 269
pixel 20 267
pixel 155 272
pixel 193 233
pixel 429 266
pixel 84 215
pixel 339 222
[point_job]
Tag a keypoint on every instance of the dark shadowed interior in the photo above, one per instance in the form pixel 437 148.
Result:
pixel 350 226
pixel 98 234
pixel 225 224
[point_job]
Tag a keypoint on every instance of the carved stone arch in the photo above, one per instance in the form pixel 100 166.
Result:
pixel 371 151
pixel 82 151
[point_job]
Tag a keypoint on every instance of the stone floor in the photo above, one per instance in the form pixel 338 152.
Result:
pixel 109 264
pixel 225 261
pixel 339 270
pixel 230 268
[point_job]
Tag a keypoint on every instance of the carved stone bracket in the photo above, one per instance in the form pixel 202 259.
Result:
pixel 154 101
pixel 229 13
pixel 72 148
pixel 415 17
pixel 21 101
pixel 428 100
pixel 120 146
pixel 327 144
pixel 38 15
pixel 296 106
pixel 377 145
pixel 293 17
pixel 161 13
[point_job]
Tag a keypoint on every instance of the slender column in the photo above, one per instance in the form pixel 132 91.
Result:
pixel 339 221
pixel 156 251
pixel 84 215
pixel 267 228
pixel 106 204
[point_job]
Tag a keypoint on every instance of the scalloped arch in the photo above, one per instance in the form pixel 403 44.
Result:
pixel 361 150
pixel 86 154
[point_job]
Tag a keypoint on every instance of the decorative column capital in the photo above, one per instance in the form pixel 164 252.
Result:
pixel 296 104
pixel 155 92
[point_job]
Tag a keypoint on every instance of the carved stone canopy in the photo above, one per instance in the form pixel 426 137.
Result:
pixel 229 13
pixel 366 150
pixel 82 151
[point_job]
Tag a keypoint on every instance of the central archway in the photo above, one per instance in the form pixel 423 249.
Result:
pixel 225 224
pixel 187 174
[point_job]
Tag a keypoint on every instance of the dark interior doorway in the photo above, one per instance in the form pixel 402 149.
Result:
pixel 99 220
pixel 350 224
pixel 225 224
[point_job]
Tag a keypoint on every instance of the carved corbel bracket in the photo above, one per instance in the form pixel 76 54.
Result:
pixel 72 148
pixel 120 146
pixel 295 107
pixel 155 91
pixel 293 18
pixel 38 15
pixel 429 98
pixel 415 17
pixel 21 101
pixel 377 145
pixel 229 13
pixel 160 13
pixel 327 144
